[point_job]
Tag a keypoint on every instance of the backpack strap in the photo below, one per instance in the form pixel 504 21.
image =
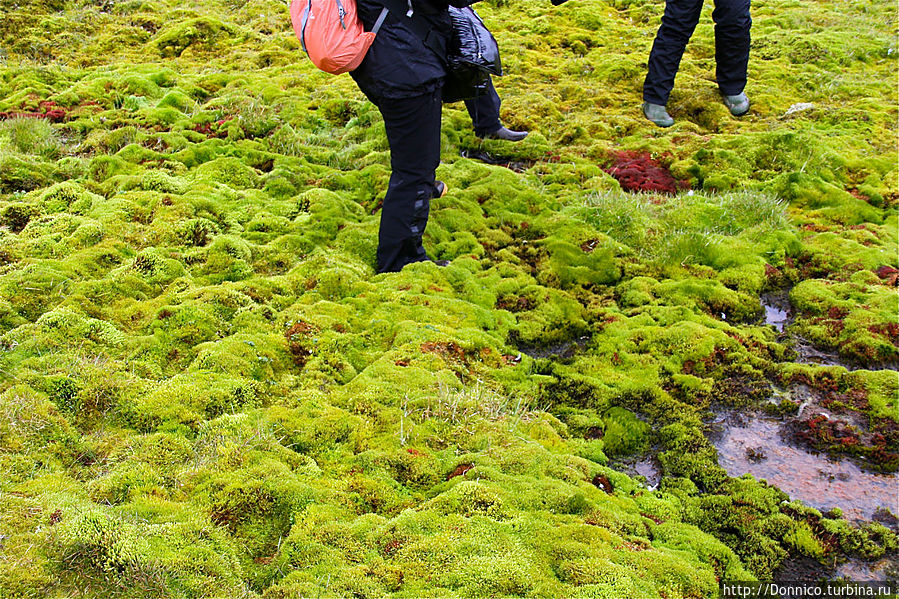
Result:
pixel 303 25
pixel 380 20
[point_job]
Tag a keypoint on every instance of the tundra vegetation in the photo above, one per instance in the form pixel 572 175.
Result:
pixel 206 391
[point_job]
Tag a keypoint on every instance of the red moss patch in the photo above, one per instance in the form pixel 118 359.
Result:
pixel 889 330
pixel 589 245
pixel 889 275
pixel 639 172
pixel 857 194
pixel 718 357
pixel 515 304
pixel 655 519
pixel 847 431
pixel 49 111
pixel 636 544
pixel 447 350
pixel 216 129
pixel 594 432
pixel 391 546
pixel 297 337
pixel 828 540
pixel 603 483
pixel 510 360
pixel 459 471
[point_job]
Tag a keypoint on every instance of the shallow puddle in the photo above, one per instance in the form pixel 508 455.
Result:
pixel 861 571
pixel 757 447
pixel 776 317
pixel 777 310
pixel 646 466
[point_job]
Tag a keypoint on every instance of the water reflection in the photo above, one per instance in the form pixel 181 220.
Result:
pixel 776 317
pixel 757 447
pixel 777 309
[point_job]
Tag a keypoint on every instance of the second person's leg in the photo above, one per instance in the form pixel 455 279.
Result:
pixel 484 113
pixel 732 25
pixel 678 23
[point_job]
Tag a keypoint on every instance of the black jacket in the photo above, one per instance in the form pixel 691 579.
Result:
pixel 399 64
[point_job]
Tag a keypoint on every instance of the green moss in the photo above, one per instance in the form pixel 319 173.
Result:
pixel 16 216
pixel 468 498
pixel 105 546
pixel 161 181
pixel 192 332
pixel 22 175
pixel 855 317
pixel 202 34
pixel 31 136
pixel 624 432
pixel 802 539
pixel 229 171
pixel 166 407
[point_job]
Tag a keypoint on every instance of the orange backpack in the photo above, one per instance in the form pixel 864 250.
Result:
pixel 332 34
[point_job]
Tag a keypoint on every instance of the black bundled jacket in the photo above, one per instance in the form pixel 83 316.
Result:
pixel 399 63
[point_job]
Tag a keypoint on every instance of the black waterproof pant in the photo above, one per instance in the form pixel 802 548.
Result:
pixel 732 23
pixel 484 111
pixel 413 132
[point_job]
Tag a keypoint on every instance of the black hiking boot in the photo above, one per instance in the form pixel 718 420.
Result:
pixel 506 134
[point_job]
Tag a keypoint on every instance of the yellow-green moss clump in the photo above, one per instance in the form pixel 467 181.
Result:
pixel 206 390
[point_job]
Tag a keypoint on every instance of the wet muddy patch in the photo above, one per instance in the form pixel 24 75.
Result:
pixel 761 446
pixel 835 419
pixel 807 569
pixel 559 351
pixel 779 313
pixel 564 350
pixel 857 570
pixel 646 466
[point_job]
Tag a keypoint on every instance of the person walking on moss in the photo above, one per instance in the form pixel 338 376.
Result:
pixel 403 74
pixel 732 23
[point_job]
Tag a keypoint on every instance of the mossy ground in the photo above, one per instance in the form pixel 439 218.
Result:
pixel 206 390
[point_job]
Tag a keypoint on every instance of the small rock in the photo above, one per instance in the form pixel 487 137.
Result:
pixel 800 107
pixel 756 455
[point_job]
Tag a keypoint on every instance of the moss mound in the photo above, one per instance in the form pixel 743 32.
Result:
pixel 206 390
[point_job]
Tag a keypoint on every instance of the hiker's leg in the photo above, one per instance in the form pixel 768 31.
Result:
pixel 413 132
